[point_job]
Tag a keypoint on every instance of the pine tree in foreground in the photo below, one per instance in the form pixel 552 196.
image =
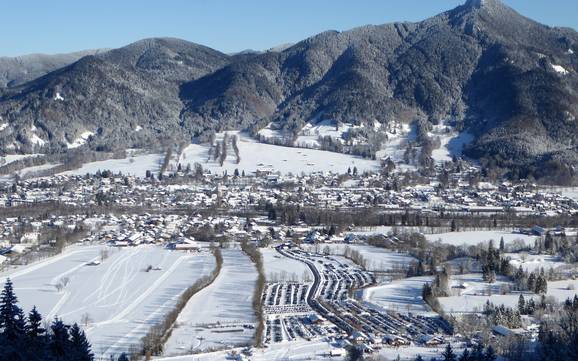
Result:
pixel 24 339
pixel 449 354
pixel 79 346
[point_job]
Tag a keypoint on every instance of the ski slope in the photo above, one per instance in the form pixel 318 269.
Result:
pixel 120 299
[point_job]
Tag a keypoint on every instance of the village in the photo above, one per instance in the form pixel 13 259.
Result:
pixel 326 262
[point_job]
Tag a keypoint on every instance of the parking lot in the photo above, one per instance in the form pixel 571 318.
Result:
pixel 327 307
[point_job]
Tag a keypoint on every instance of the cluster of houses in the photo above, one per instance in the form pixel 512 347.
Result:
pixel 321 190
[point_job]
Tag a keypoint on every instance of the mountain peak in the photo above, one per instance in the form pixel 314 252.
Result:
pixel 478 4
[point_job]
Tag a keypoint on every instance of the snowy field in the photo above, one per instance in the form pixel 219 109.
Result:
pixel 452 143
pixel 476 293
pixel 117 301
pixel 394 148
pixel 402 296
pixel 473 238
pixel 36 170
pixel 570 192
pixel 368 231
pixel 260 156
pixel 533 262
pixel 136 165
pixel 278 267
pixel 215 316
pixel 561 290
pixel 303 350
pixel 298 351
pixel 28 172
pixel 378 259
pixel 10 158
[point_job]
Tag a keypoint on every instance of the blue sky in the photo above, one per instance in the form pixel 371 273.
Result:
pixel 53 26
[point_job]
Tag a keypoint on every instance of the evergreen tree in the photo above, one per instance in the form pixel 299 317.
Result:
pixel 531 282
pixel 123 357
pixel 522 305
pixel 24 339
pixel 531 306
pixel 419 358
pixel 449 354
pixel 79 346
pixel 59 343
pixel 9 313
pixel 35 336
pixel 490 354
pixel 12 323
pixel 465 355
pixel 34 328
pixel 478 353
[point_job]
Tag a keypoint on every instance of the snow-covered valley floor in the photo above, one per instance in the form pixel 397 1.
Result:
pixel 215 317
pixel 260 156
pixel 116 301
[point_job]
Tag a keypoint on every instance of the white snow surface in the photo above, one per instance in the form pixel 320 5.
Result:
pixel 260 156
pixel 280 267
pixel 394 148
pixel 58 97
pixel 476 293
pixel 120 298
pixel 571 192
pixel 36 140
pixel 9 158
pixel 452 143
pixel 315 351
pixel 473 238
pixel 310 133
pixel 31 172
pixel 559 69
pixel 298 350
pixel 533 262
pixel 378 259
pixel 136 165
pixel 81 140
pixel 3 126
pixel 402 296
pixel 225 306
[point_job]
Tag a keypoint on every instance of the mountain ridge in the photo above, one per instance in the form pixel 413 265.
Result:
pixel 480 67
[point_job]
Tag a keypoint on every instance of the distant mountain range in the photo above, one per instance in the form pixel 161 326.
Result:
pixel 20 69
pixel 481 67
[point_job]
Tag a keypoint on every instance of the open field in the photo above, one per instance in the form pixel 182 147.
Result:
pixel 218 315
pixel 136 165
pixel 473 238
pixel 378 259
pixel 260 156
pixel 116 301
pixel 402 296
pixel 278 267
